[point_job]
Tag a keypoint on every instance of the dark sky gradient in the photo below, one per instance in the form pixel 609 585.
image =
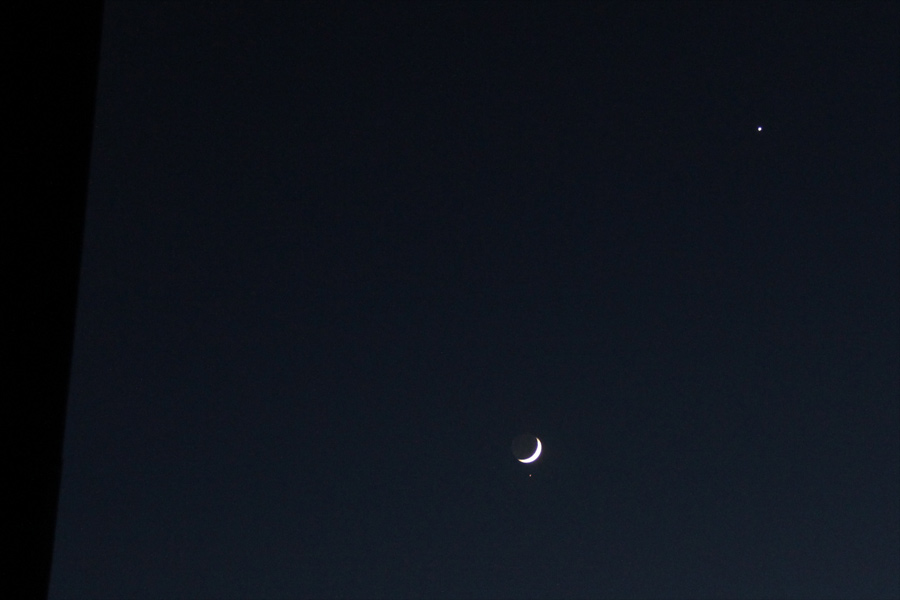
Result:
pixel 338 256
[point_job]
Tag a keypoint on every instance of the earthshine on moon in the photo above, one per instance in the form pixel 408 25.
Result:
pixel 526 448
pixel 534 456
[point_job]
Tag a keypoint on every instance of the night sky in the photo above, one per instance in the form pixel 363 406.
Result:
pixel 338 256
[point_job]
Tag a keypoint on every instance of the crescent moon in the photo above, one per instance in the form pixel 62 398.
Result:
pixel 534 456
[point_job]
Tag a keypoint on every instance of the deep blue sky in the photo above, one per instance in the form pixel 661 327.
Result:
pixel 338 256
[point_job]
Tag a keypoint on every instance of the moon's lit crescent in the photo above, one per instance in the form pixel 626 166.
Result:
pixel 534 456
